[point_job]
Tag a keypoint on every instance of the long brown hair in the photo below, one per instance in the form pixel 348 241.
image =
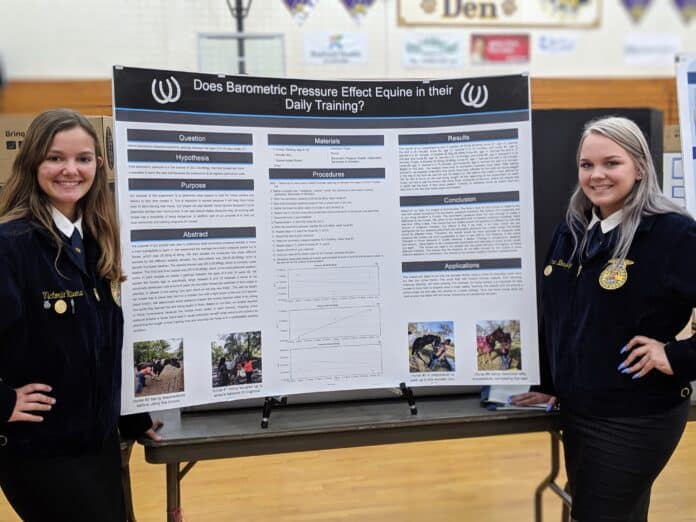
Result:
pixel 22 196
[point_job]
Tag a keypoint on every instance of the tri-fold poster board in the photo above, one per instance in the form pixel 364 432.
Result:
pixel 286 236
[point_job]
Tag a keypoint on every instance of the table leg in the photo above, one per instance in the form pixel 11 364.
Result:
pixel 565 514
pixel 173 493
pixel 550 478
pixel 126 448
pixel 550 482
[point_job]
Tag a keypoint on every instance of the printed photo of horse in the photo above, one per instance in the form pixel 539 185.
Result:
pixel 498 345
pixel 236 359
pixel 158 367
pixel 431 346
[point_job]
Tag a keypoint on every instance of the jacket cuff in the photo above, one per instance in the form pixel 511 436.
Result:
pixel 682 358
pixel 133 426
pixel 8 399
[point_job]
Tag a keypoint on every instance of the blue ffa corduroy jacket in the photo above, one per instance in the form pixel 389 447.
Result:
pixel 60 326
pixel 591 311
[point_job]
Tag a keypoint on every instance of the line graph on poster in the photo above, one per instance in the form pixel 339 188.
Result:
pixel 337 322
pixel 340 282
pixel 334 363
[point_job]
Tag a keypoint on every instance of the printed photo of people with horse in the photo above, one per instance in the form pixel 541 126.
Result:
pixel 498 345
pixel 431 346
pixel 159 367
pixel 236 359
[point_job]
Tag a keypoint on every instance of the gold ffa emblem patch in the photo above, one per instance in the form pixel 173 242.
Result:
pixel 615 275
pixel 116 292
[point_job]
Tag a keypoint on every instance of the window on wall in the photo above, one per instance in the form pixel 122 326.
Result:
pixel 235 53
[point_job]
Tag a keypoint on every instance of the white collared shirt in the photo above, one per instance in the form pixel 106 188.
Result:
pixel 64 224
pixel 609 223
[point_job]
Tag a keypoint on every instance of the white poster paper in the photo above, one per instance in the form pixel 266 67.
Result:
pixel 673 177
pixel 286 236
pixel 686 97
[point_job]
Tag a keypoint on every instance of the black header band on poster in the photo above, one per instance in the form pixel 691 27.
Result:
pixel 173 91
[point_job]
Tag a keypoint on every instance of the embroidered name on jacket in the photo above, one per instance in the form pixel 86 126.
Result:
pixel 556 262
pixel 63 294
pixel 561 263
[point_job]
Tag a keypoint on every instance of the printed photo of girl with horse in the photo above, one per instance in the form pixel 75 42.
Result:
pixel 159 367
pixel 498 345
pixel 236 359
pixel 431 346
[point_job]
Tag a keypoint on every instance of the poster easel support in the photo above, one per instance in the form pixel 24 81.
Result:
pixel 268 406
pixel 407 393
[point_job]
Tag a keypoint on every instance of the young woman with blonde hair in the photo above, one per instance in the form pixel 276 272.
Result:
pixel 617 287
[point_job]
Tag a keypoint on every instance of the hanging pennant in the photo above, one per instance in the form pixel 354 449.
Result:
pixel 687 8
pixel 358 8
pixel 636 8
pixel 568 7
pixel 300 9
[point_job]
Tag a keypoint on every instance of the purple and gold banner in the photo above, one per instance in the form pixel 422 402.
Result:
pixel 687 9
pixel 358 8
pixel 300 9
pixel 636 8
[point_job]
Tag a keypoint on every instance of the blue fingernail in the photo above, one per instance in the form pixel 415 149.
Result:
pixel 625 370
pixel 509 399
pixel 621 366
pixel 636 376
pixel 549 408
pixel 624 349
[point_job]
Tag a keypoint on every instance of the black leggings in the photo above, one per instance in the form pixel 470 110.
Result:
pixel 613 462
pixel 79 488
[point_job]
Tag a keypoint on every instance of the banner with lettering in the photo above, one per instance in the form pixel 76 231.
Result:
pixel 442 50
pixel 322 48
pixel 499 48
pixel 579 13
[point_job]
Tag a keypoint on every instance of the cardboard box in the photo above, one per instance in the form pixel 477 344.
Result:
pixel 14 126
pixel 672 139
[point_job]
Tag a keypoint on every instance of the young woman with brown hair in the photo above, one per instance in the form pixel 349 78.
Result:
pixel 61 329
